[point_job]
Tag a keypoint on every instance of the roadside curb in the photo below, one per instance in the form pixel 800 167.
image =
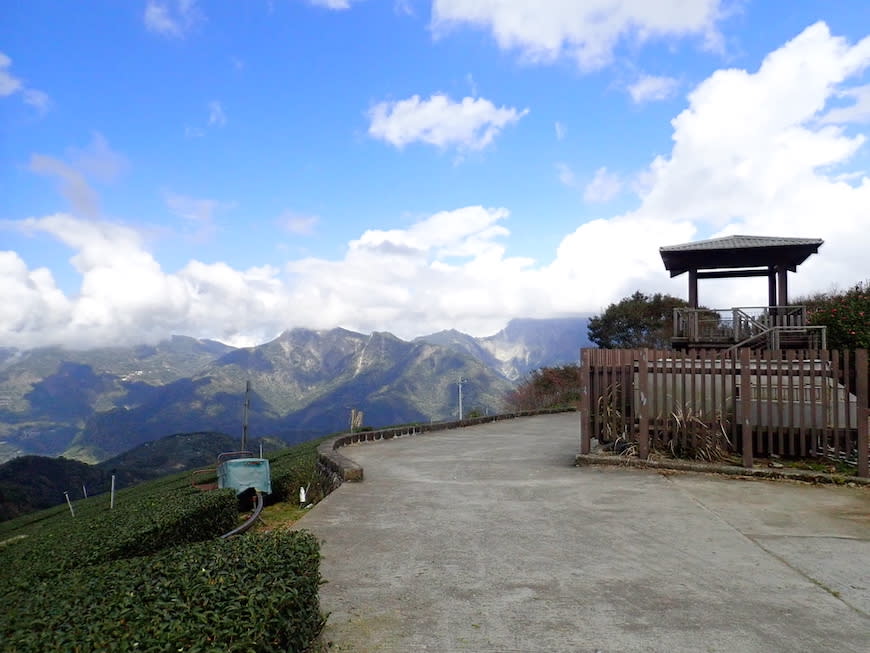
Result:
pixel 804 475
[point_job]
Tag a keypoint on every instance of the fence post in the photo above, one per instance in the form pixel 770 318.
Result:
pixel 585 439
pixel 862 412
pixel 643 401
pixel 735 324
pixel 746 406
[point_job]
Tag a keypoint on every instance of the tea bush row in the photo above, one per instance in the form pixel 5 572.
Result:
pixel 295 468
pixel 253 593
pixel 139 525
pixel 95 504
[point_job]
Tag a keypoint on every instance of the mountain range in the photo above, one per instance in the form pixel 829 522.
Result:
pixel 94 404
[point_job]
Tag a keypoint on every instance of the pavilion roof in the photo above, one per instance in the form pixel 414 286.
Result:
pixel 738 252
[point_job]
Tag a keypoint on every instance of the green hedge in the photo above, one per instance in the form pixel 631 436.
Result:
pixel 138 525
pixel 254 593
pixel 85 508
pixel 295 468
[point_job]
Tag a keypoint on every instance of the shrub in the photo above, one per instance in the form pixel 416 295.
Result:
pixel 295 468
pixel 254 593
pixel 697 436
pixel 137 526
pixel 636 321
pixel 548 387
pixel 129 579
pixel 845 314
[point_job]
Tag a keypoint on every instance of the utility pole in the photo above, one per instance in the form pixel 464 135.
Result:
pixel 245 419
pixel 462 381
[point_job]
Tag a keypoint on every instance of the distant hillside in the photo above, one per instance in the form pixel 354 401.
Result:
pixel 35 482
pixel 181 451
pixel 523 346
pixel 94 405
pixel 47 395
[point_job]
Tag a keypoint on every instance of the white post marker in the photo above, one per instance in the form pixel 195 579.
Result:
pixel 69 503
pixel 84 490
pixel 301 496
pixel 112 499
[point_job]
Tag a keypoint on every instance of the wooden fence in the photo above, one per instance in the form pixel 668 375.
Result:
pixel 784 403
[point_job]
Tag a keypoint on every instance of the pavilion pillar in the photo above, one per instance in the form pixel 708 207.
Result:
pixel 771 286
pixel 782 282
pixel 693 289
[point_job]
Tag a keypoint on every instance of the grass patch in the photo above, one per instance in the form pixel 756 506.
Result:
pixel 279 516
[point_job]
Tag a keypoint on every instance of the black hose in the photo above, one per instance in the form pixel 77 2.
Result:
pixel 241 528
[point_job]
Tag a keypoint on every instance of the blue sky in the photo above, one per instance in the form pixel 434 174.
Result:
pixel 230 170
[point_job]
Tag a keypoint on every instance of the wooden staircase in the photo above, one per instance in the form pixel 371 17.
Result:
pixel 755 327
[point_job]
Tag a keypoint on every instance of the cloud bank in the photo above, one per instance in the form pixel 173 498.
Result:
pixel 769 152
pixel 587 32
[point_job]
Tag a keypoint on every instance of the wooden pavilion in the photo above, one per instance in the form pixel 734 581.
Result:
pixel 729 386
pixel 775 326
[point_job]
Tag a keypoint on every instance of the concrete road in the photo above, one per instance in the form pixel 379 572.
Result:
pixel 489 539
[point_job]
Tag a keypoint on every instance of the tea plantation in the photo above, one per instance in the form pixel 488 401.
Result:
pixel 151 575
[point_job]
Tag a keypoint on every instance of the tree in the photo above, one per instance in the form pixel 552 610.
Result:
pixel 637 321
pixel 548 387
pixel 845 314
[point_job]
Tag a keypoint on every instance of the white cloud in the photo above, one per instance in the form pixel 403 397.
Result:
pixel 470 124
pixel 199 212
pixel 74 185
pixel 603 187
pixel 566 175
pixel 32 308
pixel 447 270
pixel 97 161
pixel 125 296
pixel 472 85
pixel 561 130
pixel 300 225
pixel 39 100
pixel 191 208
pixel 332 4
pixel 171 19
pixel 157 20
pixel 216 115
pixel 748 142
pixel 858 111
pixel 749 155
pixel 403 7
pixel 650 88
pixel 9 85
pixel 586 31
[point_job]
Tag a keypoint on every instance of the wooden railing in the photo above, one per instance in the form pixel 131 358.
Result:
pixel 701 403
pixel 754 326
